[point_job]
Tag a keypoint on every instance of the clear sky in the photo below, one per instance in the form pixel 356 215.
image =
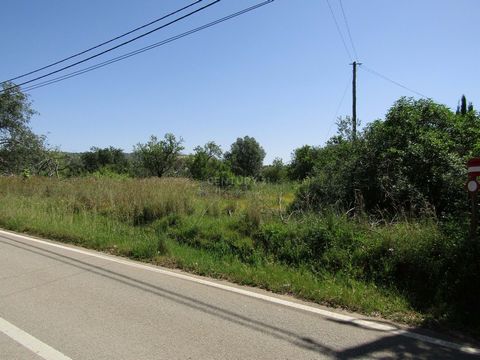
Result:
pixel 277 74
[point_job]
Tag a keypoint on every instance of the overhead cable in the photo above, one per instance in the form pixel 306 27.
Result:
pixel 113 48
pixel 376 73
pixel 348 30
pixel 339 31
pixel 101 44
pixel 147 48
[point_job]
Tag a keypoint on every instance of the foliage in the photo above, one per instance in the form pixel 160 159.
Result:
pixel 275 173
pixel 411 163
pixel 15 111
pixel 20 148
pixel 462 108
pixel 179 168
pixel 72 165
pixel 156 157
pixel 303 162
pixel 112 158
pixel 206 162
pixel 411 158
pixel 333 183
pixel 344 130
pixel 246 157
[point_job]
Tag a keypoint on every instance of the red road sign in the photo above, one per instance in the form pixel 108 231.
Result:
pixel 473 167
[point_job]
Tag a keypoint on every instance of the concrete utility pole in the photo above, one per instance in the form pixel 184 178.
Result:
pixel 354 100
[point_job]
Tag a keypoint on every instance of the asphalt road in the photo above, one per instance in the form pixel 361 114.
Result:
pixel 61 302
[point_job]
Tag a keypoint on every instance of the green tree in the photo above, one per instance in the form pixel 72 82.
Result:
pixel 332 178
pixel 246 157
pixel 470 108
pixel 20 148
pixel 111 158
pixel 206 161
pixel 156 157
pixel 275 173
pixel 462 107
pixel 466 133
pixel 413 161
pixel 72 165
pixel 303 162
pixel 415 157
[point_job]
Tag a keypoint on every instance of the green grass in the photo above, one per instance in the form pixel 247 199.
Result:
pixel 324 288
pixel 245 237
pixel 83 229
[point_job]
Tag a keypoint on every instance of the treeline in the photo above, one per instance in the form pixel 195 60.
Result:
pixel 165 157
pixel 412 162
pixel 243 163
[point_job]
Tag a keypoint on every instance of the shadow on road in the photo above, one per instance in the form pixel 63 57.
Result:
pixel 391 347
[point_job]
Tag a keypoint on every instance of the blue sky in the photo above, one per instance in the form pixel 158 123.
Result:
pixel 277 74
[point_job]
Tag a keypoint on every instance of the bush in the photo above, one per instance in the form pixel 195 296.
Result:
pixel 108 159
pixel 205 163
pixel 275 173
pixel 412 164
pixel 303 162
pixel 334 182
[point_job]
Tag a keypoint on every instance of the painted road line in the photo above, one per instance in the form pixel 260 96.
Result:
pixel 367 324
pixel 31 343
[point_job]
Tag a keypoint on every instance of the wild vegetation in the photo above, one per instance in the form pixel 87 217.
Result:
pixel 378 224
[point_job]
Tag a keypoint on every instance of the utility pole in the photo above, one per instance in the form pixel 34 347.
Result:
pixel 357 193
pixel 354 100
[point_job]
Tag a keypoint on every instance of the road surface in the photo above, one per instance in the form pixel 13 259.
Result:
pixel 60 302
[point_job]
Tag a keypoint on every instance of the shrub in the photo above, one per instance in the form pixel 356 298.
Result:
pixel 413 163
pixel 246 157
pixel 275 173
pixel 303 162
pixel 206 162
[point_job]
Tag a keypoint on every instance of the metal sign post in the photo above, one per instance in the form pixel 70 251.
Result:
pixel 473 187
pixel 474 219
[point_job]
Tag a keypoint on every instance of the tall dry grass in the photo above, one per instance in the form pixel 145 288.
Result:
pixel 128 200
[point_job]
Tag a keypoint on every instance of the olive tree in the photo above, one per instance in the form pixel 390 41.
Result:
pixel 246 157
pixel 156 157
pixel 206 161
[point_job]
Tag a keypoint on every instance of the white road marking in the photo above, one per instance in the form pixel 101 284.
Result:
pixel 368 324
pixel 28 341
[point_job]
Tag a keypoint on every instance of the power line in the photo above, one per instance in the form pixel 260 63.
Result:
pixel 115 47
pixel 392 81
pixel 339 31
pixel 103 43
pixel 348 30
pixel 147 48
pixel 136 52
